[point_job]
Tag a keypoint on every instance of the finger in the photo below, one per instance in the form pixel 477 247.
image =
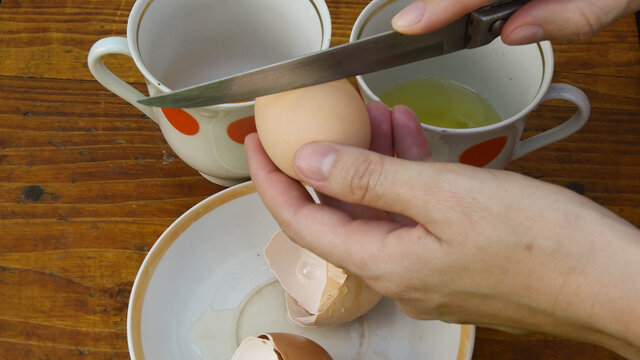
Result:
pixel 321 229
pixel 408 139
pixel 278 191
pixel 381 138
pixel 423 16
pixel 356 211
pixel 381 142
pixel 560 20
pixel 363 177
pixel 435 194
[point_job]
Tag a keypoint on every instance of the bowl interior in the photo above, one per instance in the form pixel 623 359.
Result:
pixel 509 77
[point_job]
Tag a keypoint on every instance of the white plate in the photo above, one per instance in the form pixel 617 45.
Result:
pixel 204 286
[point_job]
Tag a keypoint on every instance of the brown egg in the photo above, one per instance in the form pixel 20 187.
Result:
pixel 332 111
pixel 317 293
pixel 280 346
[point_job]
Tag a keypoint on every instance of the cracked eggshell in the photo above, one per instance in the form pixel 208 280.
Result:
pixel 317 293
pixel 332 111
pixel 279 346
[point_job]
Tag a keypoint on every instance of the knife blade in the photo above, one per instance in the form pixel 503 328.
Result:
pixel 359 57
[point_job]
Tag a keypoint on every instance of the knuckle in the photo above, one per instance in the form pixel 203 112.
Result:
pixel 590 22
pixel 365 176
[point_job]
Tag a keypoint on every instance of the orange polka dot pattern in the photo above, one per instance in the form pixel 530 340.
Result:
pixel 483 153
pixel 182 121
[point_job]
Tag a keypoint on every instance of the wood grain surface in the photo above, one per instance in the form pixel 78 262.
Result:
pixel 87 183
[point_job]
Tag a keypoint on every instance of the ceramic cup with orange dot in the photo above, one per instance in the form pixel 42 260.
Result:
pixel 176 44
pixel 514 79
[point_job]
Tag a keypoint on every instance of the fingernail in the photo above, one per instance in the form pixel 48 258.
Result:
pixel 526 35
pixel 409 16
pixel 313 161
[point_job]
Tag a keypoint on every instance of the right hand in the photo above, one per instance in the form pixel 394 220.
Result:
pixel 536 21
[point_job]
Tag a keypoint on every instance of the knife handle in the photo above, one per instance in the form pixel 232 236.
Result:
pixel 485 24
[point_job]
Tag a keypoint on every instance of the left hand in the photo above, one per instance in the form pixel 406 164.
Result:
pixel 480 246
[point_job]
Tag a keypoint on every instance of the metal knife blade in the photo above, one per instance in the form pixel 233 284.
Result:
pixel 360 57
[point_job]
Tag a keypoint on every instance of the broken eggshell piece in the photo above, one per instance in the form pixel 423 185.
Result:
pixel 280 346
pixel 317 293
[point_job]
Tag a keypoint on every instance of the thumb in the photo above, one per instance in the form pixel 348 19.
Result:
pixel 423 16
pixel 562 20
pixel 364 177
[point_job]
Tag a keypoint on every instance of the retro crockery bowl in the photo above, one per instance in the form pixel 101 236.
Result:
pixel 175 44
pixel 514 79
pixel 205 286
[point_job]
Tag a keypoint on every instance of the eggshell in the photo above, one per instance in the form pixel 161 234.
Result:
pixel 317 292
pixel 253 348
pixel 275 346
pixel 332 111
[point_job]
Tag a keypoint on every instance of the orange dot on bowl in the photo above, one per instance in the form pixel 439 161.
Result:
pixel 182 121
pixel 483 153
pixel 240 128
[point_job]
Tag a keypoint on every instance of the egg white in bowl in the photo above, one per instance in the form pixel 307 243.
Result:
pixel 205 286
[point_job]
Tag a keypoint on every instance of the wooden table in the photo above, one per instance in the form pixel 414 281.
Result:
pixel 87 183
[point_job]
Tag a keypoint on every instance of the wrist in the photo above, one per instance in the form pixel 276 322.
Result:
pixel 624 323
pixel 610 307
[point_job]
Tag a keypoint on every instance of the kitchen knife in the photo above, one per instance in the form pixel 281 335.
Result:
pixel 363 56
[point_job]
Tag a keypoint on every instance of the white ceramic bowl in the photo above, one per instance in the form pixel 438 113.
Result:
pixel 205 285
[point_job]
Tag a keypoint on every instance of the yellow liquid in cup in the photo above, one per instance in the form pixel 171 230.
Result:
pixel 442 103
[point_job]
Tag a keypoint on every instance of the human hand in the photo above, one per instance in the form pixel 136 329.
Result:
pixel 536 21
pixel 461 244
pixel 393 132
